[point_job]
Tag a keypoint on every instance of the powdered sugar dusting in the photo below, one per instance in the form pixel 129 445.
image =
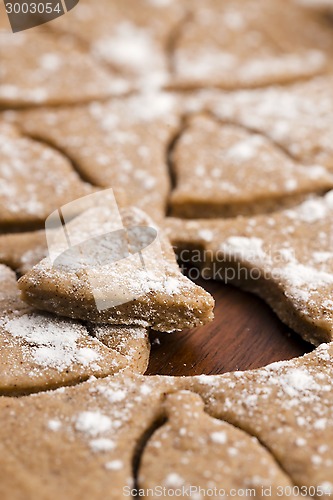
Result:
pixel 53 342
pixel 102 445
pixel 28 189
pixel 310 211
pixel 92 423
pixel 212 159
pixel 250 249
pixel 219 437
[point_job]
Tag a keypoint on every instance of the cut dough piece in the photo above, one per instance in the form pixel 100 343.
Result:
pixel 35 180
pixel 131 342
pixel 299 117
pixel 285 258
pixel 106 279
pixel 21 251
pixel 40 351
pixel 39 68
pixel 92 434
pixel 288 407
pixel 78 441
pixel 118 144
pixel 250 43
pixel 195 450
pixel 131 37
pixel 223 170
pixel 96 430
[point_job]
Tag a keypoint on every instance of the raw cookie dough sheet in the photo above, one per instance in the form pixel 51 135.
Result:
pixel 213 124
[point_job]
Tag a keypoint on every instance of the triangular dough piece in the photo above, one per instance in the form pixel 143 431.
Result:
pixel 129 36
pixel 41 351
pixel 105 279
pixel 119 143
pixel 35 180
pixel 249 43
pixel 224 170
pixel 195 450
pixel 286 258
pixel 288 406
pixel 297 117
pixel 39 68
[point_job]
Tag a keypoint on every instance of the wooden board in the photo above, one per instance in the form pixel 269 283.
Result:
pixel 245 334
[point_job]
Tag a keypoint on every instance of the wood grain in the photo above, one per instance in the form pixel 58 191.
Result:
pixel 245 334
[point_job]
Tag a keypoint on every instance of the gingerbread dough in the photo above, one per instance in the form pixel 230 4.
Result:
pixel 119 144
pixel 42 68
pixel 249 44
pixel 297 117
pixel 223 170
pixel 195 450
pixel 40 351
pixel 35 180
pixel 286 258
pixel 110 425
pixel 288 407
pixel 130 37
pixel 95 280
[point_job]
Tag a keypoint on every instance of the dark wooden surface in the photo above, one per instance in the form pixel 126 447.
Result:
pixel 245 334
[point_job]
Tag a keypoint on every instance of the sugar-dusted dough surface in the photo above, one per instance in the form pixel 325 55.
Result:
pixel 288 407
pixel 41 68
pixel 130 342
pixel 119 143
pixel 104 106
pixel 223 170
pixel 251 43
pixel 35 180
pixel 284 257
pixel 194 449
pixel 297 117
pixel 96 283
pixel 40 351
pixel 110 425
pixel 86 436
pixel 129 36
